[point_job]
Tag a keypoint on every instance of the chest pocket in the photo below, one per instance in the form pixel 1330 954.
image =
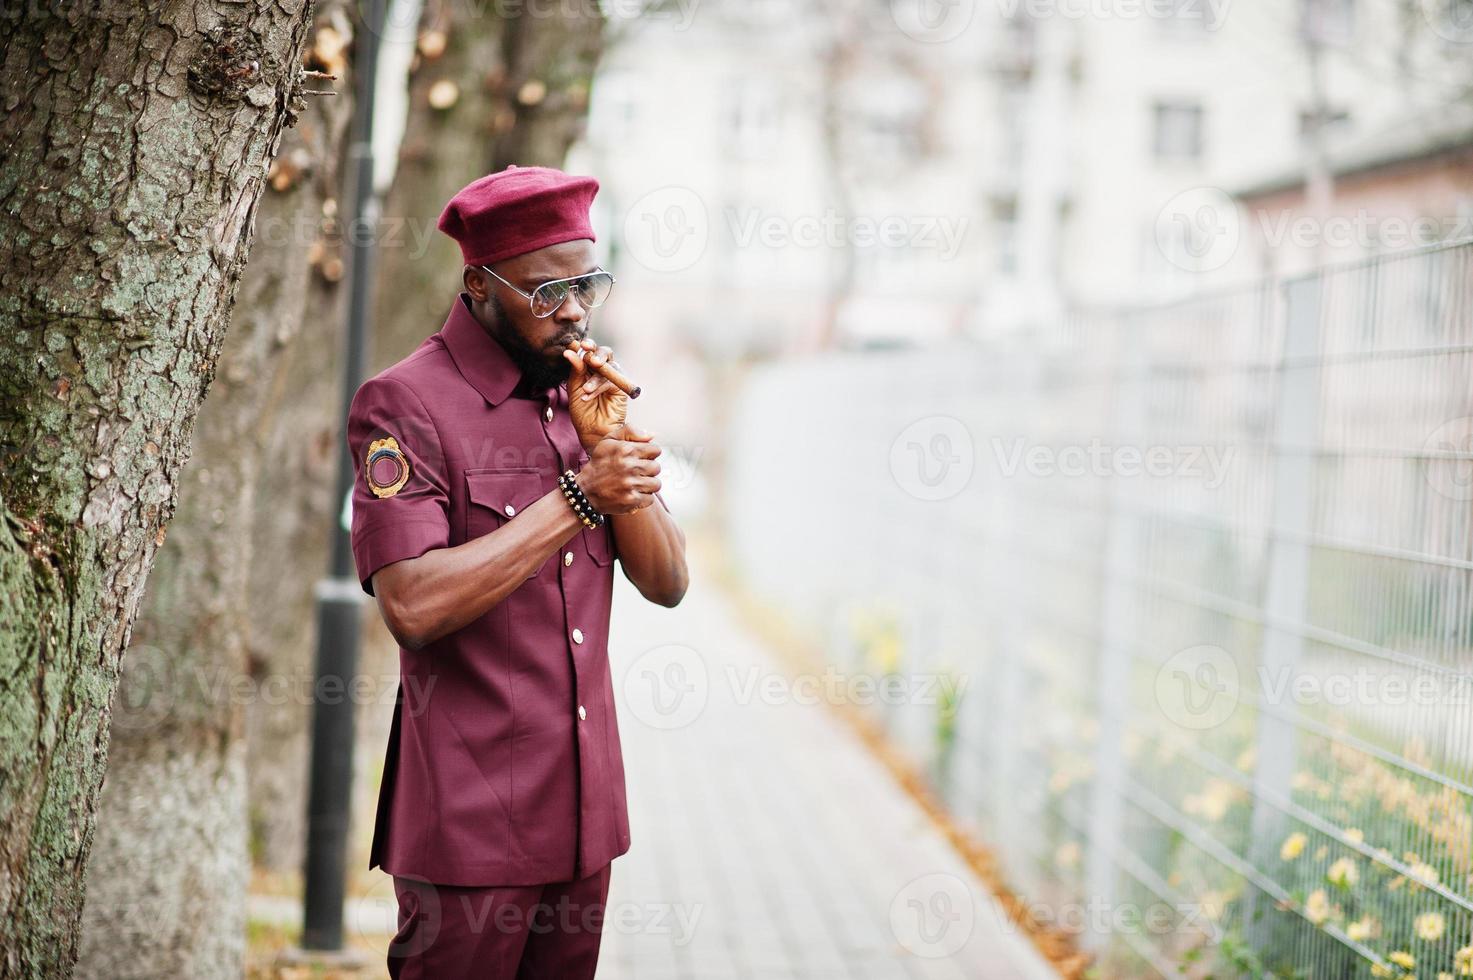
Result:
pixel 598 542
pixel 498 496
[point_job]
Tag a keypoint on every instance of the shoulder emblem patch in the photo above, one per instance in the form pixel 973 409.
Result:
pixel 386 469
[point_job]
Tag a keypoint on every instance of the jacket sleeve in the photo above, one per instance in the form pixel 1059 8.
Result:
pixel 400 503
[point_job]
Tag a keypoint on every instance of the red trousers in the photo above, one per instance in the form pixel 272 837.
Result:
pixel 524 932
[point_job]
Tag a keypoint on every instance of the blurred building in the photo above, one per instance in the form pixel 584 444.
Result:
pixel 765 164
pixel 784 177
pixel 1161 117
pixel 1409 185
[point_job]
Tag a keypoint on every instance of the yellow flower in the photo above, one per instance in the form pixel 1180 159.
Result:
pixel 1360 930
pixel 1430 926
pixel 1444 975
pixel 1213 802
pixel 1355 835
pixel 1293 846
pixel 885 652
pixel 1424 873
pixel 1317 906
pixel 1463 961
pixel 1377 970
pixel 1403 959
pixel 1343 872
pixel 1214 904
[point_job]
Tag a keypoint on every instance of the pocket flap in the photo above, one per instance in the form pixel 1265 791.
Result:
pixel 507 492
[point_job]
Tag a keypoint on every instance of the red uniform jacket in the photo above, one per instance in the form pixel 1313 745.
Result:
pixel 503 765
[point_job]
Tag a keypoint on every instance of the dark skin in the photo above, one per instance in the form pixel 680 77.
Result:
pixel 441 591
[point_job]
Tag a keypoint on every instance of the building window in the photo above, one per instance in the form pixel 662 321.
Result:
pixel 1012 118
pixel 1331 121
pixel 887 120
pixel 1016 43
pixel 1177 133
pixel 754 119
pixel 1327 21
pixel 1005 223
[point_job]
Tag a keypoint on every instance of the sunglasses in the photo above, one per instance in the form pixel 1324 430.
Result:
pixel 591 289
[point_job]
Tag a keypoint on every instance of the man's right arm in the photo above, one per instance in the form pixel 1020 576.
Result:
pixel 401 517
pixel 441 591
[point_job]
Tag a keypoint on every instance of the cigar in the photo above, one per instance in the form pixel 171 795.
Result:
pixel 607 370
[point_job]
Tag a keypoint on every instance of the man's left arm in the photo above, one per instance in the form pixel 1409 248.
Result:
pixel 651 547
pixel 648 542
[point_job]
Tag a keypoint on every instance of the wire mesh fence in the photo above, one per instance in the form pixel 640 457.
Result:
pixel 1174 604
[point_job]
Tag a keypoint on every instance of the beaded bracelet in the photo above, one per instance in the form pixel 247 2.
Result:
pixel 579 502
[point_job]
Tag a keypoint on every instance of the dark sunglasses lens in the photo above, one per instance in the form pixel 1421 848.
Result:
pixel 548 297
pixel 592 289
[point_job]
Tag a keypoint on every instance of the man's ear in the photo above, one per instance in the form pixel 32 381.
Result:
pixel 474 280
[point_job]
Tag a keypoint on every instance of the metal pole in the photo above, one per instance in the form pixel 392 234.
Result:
pixel 339 596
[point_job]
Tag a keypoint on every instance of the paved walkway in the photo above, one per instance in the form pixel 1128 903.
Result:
pixel 766 841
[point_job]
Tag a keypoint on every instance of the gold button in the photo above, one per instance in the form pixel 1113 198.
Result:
pixel 568 558
pixel 548 414
pixel 510 511
pixel 582 714
pixel 577 635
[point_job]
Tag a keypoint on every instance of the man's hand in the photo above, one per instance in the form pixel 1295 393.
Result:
pixel 622 474
pixel 595 403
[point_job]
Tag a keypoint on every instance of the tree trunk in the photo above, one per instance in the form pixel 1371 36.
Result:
pixel 135 142
pixel 170 867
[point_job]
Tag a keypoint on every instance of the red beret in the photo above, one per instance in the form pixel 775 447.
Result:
pixel 518 210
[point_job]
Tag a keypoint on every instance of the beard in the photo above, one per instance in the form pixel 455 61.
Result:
pixel 540 368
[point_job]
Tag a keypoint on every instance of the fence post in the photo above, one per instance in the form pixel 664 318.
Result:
pixel 1119 631
pixel 1286 586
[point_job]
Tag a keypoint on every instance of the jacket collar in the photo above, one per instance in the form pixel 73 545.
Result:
pixel 480 357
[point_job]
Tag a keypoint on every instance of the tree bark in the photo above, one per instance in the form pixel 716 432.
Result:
pixel 169 870
pixel 135 146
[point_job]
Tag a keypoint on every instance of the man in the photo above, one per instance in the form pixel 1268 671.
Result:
pixel 503 803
